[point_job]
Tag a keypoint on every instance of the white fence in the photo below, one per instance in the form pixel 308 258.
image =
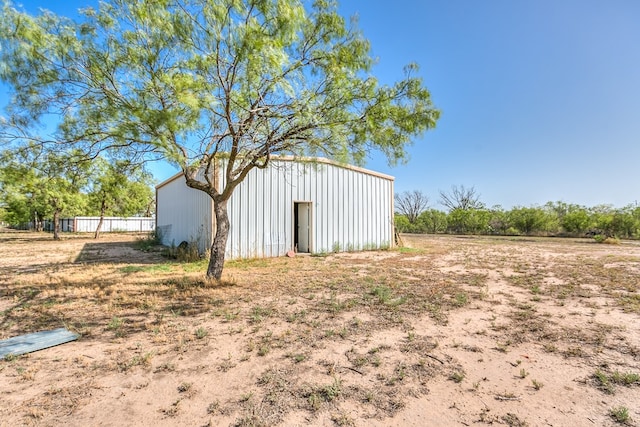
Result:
pixel 88 224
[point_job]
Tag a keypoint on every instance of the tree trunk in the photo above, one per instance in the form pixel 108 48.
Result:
pixel 56 224
pixel 216 261
pixel 103 208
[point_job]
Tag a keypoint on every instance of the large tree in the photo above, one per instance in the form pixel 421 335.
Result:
pixel 411 204
pixel 193 81
pixel 460 197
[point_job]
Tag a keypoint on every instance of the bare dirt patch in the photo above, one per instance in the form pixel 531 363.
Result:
pixel 448 331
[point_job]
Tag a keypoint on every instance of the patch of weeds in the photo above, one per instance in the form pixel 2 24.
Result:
pixel 165 367
pixel 258 314
pixel 457 376
pixel 318 395
pixel 213 407
pixel 537 384
pixel 320 254
pixel 334 305
pixel 245 397
pixel 342 420
pixel 502 348
pixel 296 316
pixel 630 303
pixel 602 382
pixel 628 379
pixel 138 360
pixel 116 325
pixel 407 250
pixel 226 364
pixel 196 266
pixel 184 387
pixel 185 252
pixel 251 420
pixel 385 296
pixel 10 357
pixel 332 391
pixel 506 396
pixel 574 352
pixel 461 299
pixel 229 316
pixel 607 382
pixel 145 268
pixel 298 357
pixel 523 373
pixel 173 410
pixel 201 333
pixel 263 350
pixel 247 263
pixel 512 420
pixel 620 415
pixel 148 242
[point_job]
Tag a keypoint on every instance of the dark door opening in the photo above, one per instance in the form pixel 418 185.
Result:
pixel 302 227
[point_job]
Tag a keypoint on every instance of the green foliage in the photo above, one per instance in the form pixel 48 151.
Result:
pixel 468 221
pixel 531 220
pixel 603 222
pixel 37 184
pixel 620 414
pixel 119 188
pixel 150 241
pixel 433 221
pixel 576 221
pixel 402 224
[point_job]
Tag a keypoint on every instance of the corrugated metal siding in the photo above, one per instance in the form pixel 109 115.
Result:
pixel 184 214
pixel 351 210
pixel 88 224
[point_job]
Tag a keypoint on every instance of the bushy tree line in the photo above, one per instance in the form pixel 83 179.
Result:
pixel 552 219
pixel 37 185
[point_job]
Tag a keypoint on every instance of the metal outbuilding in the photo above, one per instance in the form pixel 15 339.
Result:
pixel 304 205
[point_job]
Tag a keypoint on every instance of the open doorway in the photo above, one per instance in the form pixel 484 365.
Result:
pixel 302 227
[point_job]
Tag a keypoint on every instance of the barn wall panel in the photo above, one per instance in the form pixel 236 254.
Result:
pixel 184 214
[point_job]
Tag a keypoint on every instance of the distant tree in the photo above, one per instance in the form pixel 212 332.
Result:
pixel 532 220
pixel 499 222
pixel 460 197
pixel 602 219
pixel 411 204
pixel 576 221
pixel 624 223
pixel 40 183
pixel 468 221
pixel 433 221
pixel 119 188
pixel 196 81
pixel 560 209
pixel 402 223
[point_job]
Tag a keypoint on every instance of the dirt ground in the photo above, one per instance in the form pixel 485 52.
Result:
pixel 447 331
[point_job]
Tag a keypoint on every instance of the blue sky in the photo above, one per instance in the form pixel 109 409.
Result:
pixel 540 99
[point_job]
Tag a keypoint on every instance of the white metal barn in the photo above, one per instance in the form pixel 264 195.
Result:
pixel 308 206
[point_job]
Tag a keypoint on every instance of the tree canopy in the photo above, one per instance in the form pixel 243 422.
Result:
pixel 190 81
pixel 411 204
pixel 37 183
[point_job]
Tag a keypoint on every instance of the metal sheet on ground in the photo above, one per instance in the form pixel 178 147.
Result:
pixel 36 341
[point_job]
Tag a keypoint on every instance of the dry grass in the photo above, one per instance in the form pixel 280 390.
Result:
pixel 337 339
